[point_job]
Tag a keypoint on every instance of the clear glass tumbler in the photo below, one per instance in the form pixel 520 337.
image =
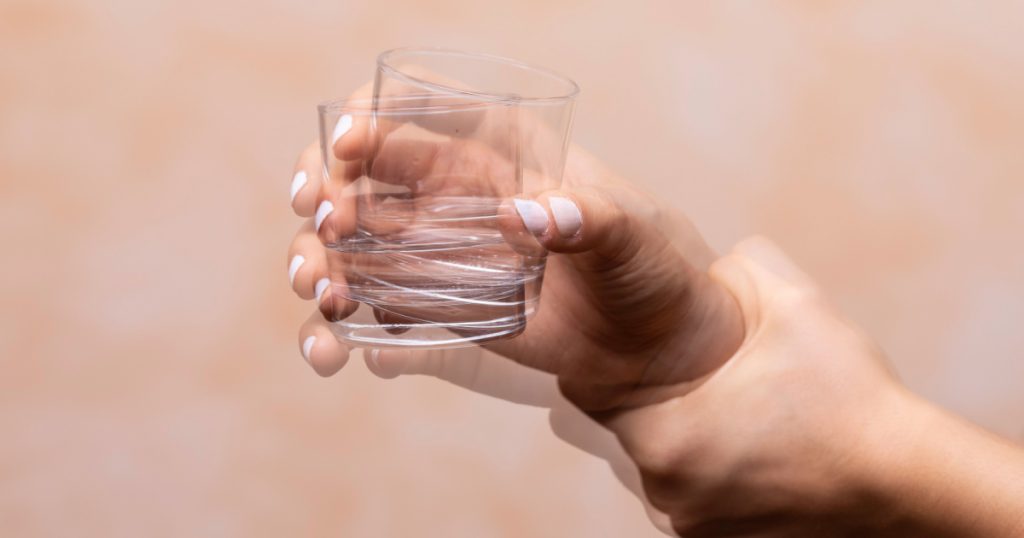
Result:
pixel 425 249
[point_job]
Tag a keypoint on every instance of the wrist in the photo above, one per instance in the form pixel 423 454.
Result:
pixel 934 474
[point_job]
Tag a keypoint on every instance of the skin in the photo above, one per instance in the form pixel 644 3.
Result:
pixel 748 406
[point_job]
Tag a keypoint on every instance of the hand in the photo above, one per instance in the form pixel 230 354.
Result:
pixel 598 287
pixel 804 432
pixel 630 320
pixel 794 436
pixel 632 299
pixel 783 440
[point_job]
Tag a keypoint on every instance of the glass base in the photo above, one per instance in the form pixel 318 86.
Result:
pixel 361 329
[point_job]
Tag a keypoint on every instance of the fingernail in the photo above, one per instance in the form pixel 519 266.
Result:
pixel 326 207
pixel 534 217
pixel 375 357
pixel 321 286
pixel 298 182
pixel 307 346
pixel 293 267
pixel 568 219
pixel 342 127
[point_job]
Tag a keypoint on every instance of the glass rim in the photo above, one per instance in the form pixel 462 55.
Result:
pixel 397 105
pixel 384 58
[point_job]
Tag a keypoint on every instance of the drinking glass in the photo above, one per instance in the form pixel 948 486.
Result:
pixel 425 249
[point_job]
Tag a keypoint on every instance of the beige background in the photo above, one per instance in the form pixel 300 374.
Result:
pixel 150 379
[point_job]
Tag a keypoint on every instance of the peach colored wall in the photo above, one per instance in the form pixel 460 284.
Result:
pixel 150 382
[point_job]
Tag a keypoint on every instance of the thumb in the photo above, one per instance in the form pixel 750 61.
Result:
pixel 583 220
pixel 644 287
pixel 757 271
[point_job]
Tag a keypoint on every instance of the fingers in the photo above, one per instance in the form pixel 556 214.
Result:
pixel 307 261
pixel 404 161
pixel 760 275
pixel 335 215
pixel 391 363
pixel 306 180
pixel 634 273
pixel 469 368
pixel 573 222
pixel 333 296
pixel 349 132
pixel 320 348
pixel 319 274
pixel 574 427
pixel 309 171
pixel 757 269
pixel 350 137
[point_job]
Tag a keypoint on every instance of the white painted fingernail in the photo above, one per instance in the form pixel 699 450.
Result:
pixel 533 215
pixel 321 286
pixel 326 207
pixel 298 182
pixel 375 357
pixel 307 346
pixel 568 219
pixel 342 127
pixel 293 267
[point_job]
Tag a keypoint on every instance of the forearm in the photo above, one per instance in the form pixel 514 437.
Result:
pixel 942 476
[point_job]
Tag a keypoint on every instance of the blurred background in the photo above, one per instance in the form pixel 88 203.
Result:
pixel 150 376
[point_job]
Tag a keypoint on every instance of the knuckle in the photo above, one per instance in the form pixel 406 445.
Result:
pixel 658 464
pixel 615 214
pixel 792 303
pixel 324 304
pixel 664 456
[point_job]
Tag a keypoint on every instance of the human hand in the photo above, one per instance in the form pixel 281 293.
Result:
pixel 643 341
pixel 629 317
pixel 789 438
pixel 804 432
pixel 597 287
